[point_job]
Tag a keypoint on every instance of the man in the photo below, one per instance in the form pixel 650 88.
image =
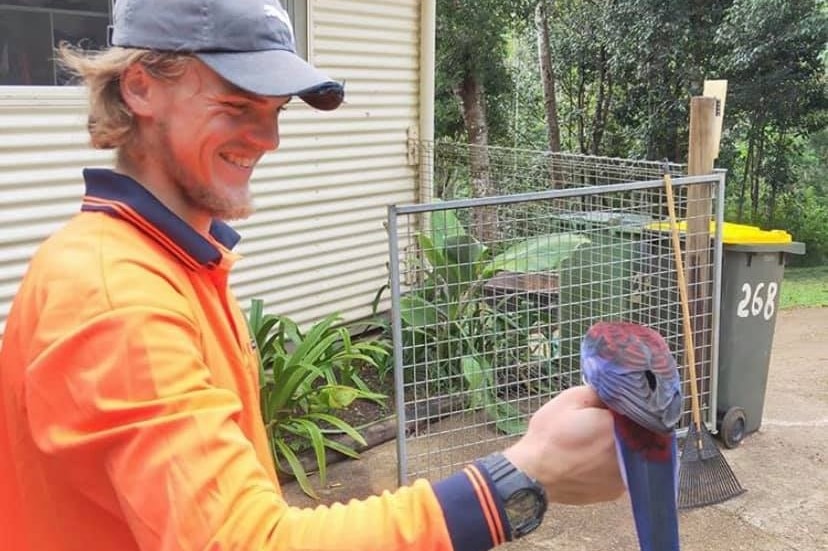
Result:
pixel 129 416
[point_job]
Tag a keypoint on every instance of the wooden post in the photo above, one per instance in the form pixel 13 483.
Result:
pixel 716 89
pixel 699 213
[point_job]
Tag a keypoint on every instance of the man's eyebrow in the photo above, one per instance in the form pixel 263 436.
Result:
pixel 233 90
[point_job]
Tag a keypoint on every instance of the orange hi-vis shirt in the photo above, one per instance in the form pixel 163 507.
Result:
pixel 129 407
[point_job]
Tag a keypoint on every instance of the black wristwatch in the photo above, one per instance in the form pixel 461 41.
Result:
pixel 523 498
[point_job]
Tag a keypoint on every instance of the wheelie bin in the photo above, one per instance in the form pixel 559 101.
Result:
pixel 753 263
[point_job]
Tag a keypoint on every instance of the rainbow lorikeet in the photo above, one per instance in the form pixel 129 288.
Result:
pixel 633 371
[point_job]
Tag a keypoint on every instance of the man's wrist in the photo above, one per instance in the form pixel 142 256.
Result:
pixel 475 518
pixel 523 499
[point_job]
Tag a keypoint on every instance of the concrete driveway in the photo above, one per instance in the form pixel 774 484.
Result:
pixel 783 467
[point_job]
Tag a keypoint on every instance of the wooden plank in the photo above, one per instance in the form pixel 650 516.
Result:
pixel 716 89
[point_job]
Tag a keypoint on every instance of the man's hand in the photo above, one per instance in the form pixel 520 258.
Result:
pixel 569 448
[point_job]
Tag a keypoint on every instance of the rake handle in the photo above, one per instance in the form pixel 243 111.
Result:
pixel 685 306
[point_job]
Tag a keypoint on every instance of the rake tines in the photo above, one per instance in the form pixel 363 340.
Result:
pixel 705 478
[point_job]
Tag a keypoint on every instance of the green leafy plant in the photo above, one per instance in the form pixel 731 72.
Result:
pixel 305 378
pixel 455 333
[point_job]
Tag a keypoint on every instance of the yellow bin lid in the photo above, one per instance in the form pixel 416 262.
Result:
pixel 735 234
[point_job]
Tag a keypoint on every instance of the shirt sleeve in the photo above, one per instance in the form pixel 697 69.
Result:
pixel 128 407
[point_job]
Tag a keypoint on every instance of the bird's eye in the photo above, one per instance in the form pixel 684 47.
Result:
pixel 651 380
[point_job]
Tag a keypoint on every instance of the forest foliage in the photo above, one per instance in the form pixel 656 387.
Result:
pixel 622 73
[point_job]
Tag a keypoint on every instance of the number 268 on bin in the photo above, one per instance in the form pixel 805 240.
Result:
pixel 758 300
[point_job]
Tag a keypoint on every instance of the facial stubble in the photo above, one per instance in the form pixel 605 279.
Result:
pixel 221 202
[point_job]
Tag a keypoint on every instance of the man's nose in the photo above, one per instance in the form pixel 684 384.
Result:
pixel 264 133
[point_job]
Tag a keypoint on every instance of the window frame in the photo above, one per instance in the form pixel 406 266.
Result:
pixel 298 10
pixel 52 13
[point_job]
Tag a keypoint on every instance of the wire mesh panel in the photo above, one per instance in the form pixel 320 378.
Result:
pixel 491 295
pixel 504 171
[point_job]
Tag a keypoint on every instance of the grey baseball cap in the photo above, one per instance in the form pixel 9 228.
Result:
pixel 250 43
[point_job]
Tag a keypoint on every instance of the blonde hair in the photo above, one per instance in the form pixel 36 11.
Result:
pixel 111 123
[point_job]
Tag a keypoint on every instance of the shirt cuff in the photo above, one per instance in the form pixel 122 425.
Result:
pixel 473 510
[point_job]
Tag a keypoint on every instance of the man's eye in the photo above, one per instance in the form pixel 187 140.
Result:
pixel 237 105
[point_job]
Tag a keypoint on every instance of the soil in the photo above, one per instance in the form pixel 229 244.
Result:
pixel 365 412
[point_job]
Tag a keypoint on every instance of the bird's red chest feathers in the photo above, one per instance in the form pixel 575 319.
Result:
pixel 654 446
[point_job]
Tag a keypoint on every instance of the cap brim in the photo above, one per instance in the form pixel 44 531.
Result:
pixel 276 73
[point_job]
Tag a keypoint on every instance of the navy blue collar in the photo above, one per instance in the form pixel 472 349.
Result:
pixel 121 196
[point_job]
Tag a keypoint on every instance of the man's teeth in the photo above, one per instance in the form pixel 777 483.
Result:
pixel 243 162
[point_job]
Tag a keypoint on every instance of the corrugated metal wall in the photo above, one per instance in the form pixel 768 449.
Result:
pixel 43 148
pixel 316 243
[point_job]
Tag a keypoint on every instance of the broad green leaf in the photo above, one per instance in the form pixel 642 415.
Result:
pixel 296 469
pixel 290 331
pixel 348 359
pixel 537 254
pixel 476 379
pixel 433 254
pixel 366 393
pixel 318 350
pixel 339 424
pixel 378 298
pixel 299 375
pixel 377 349
pixel 341 448
pixel 337 396
pixel 347 347
pixel 416 311
pixel 308 347
pixel 463 249
pixel 443 270
pixel 444 224
pixel 268 325
pixel 255 316
pixel 467 257
pixel 311 430
pixel 264 401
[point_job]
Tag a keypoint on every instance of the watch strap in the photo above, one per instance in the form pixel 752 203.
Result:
pixel 508 480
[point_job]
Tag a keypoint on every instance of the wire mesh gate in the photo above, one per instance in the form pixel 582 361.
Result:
pixel 491 296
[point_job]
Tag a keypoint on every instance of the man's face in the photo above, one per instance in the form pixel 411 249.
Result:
pixel 208 136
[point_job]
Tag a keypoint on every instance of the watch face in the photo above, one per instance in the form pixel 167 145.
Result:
pixel 524 508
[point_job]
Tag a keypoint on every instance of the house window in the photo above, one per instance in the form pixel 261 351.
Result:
pixel 298 11
pixel 31 29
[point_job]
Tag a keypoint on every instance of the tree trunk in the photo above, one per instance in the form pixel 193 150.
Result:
pixel 553 131
pixel 772 204
pixel 602 102
pixel 568 89
pixel 471 93
pixel 740 203
pixel 774 182
pixel 582 145
pixel 756 181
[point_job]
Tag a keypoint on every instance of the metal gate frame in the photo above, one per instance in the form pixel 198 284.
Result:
pixel 716 180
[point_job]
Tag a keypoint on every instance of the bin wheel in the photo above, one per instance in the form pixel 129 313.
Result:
pixel 732 427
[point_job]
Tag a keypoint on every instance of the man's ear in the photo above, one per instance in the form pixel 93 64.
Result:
pixel 137 88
